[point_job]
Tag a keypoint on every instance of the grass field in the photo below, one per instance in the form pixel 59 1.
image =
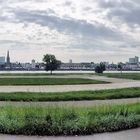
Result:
pixel 134 76
pixel 48 81
pixel 68 121
pixel 42 74
pixel 72 96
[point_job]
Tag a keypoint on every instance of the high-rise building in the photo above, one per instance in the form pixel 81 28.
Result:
pixel 70 61
pixel 2 60
pixel 134 60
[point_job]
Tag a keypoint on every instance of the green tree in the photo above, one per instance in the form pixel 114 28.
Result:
pixel 102 65
pixel 120 67
pixel 51 63
pixel 100 68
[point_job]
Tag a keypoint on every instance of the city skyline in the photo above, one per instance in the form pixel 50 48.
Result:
pixel 8 57
pixel 103 30
pixel 6 64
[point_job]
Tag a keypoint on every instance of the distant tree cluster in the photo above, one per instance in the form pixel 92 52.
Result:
pixel 51 63
pixel 100 68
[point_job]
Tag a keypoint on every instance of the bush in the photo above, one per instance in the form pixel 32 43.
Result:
pixel 100 68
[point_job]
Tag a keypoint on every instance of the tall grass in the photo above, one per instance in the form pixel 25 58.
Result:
pixel 69 120
pixel 70 96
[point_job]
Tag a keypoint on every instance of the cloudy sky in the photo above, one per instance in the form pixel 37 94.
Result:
pixel 81 30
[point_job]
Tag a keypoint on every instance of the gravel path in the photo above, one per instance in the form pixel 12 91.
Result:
pixel 64 88
pixel 74 103
pixel 115 83
pixel 109 79
pixel 133 134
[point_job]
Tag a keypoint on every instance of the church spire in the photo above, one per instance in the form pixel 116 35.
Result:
pixel 8 58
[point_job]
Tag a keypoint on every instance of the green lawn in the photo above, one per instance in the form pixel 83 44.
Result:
pixel 72 96
pixel 52 121
pixel 134 76
pixel 48 81
pixel 42 74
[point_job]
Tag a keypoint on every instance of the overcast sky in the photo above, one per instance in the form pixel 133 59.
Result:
pixel 81 30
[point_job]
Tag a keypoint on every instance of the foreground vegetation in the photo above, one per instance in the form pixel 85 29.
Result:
pixel 134 76
pixel 72 96
pixel 68 121
pixel 47 81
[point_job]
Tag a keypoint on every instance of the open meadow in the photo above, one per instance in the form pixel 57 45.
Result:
pixel 29 119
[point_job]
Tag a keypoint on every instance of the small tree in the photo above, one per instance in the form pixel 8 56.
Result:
pixel 100 68
pixel 102 65
pixel 120 67
pixel 51 63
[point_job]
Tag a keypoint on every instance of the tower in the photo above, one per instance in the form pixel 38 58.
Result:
pixel 8 60
pixel 8 57
pixel 33 64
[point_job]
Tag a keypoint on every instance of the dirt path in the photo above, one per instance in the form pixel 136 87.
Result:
pixel 115 83
pixel 74 103
pixel 64 88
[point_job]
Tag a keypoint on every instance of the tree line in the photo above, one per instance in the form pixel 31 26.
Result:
pixel 51 64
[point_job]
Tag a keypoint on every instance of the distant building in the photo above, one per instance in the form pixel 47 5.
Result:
pixel 106 63
pixel 8 58
pixel 70 61
pixel 33 64
pixel 26 66
pixel 77 66
pixel 2 60
pixel 134 60
pixel 8 64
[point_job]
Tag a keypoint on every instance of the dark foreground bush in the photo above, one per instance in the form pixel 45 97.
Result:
pixel 68 121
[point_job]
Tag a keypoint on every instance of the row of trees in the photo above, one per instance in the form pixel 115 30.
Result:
pixel 51 64
pixel 101 68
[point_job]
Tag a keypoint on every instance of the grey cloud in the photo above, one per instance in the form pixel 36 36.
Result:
pixel 130 17
pixel 87 9
pixel 126 11
pixel 115 4
pixel 69 26
pixel 14 45
pixel 21 45
pixel 107 4
pixel 68 3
